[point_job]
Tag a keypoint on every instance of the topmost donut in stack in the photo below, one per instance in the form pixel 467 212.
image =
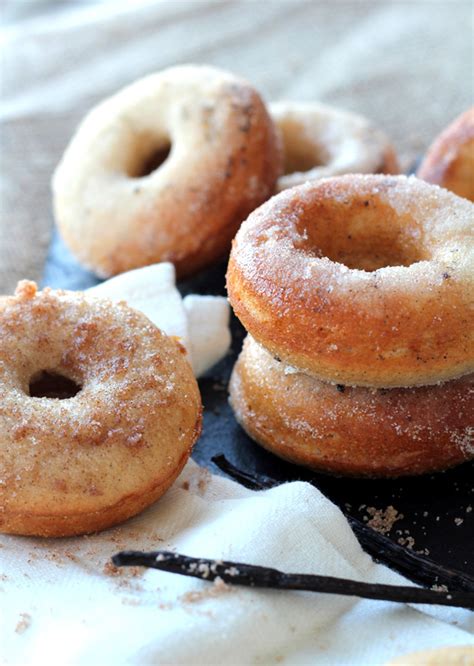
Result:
pixel 355 290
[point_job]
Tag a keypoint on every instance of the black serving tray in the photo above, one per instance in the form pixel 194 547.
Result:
pixel 437 517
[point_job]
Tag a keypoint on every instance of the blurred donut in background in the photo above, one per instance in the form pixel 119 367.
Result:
pixel 166 170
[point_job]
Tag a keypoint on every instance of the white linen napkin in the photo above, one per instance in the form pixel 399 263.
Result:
pixel 61 601
pixel 201 322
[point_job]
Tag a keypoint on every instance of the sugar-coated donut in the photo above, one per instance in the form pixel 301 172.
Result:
pixel 321 141
pixel 83 463
pixel 360 280
pixel 351 431
pixel 449 161
pixel 117 208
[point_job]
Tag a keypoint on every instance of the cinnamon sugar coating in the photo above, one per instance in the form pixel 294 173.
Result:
pixel 321 141
pixel 118 209
pixel 360 280
pixel 449 161
pixel 84 463
pixel 351 431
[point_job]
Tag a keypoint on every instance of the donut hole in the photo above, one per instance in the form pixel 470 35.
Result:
pixel 50 384
pixel 363 235
pixel 301 153
pixel 303 157
pixel 148 160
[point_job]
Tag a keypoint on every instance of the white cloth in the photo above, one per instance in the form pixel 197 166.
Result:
pixel 60 606
pixel 201 322
pixel 61 602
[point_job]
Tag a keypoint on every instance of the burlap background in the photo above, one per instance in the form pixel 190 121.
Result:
pixel 407 65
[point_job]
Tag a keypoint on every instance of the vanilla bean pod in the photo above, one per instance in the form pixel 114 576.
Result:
pixel 418 568
pixel 237 573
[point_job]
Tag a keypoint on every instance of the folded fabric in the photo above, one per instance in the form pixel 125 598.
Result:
pixel 200 322
pixel 64 603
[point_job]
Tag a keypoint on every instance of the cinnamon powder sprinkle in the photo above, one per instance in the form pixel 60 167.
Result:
pixel 218 588
pixel 382 520
pixel 23 623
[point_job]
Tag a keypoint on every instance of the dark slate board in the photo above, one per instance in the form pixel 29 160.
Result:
pixel 436 508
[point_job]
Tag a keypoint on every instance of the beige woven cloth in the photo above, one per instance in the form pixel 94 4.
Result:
pixel 406 65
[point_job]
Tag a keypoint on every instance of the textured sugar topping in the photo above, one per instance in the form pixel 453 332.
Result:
pixel 132 419
pixel 274 245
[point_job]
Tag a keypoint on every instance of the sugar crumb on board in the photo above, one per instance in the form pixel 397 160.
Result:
pixel 23 623
pixel 439 588
pixel 407 541
pixel 382 520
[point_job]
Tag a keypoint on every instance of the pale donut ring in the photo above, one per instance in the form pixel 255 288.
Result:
pixel 321 141
pixel 353 431
pixel 360 280
pixel 224 160
pixel 95 458
pixel 449 161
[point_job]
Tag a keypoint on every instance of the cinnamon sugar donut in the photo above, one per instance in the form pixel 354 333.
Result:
pixel 360 280
pixel 166 170
pixel 353 431
pixel 449 161
pixel 130 415
pixel 321 141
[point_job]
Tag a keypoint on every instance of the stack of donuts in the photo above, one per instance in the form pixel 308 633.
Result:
pixel 357 295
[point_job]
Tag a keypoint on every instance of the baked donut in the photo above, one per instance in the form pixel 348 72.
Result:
pixel 321 141
pixel 130 415
pixel 360 280
pixel 449 161
pixel 166 170
pixel 351 431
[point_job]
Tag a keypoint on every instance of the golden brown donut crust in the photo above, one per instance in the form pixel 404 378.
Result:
pixel 225 159
pixel 449 161
pixel 351 431
pixel 360 280
pixel 88 462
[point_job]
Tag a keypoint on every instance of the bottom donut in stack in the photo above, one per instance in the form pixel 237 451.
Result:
pixel 351 430
pixel 357 296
